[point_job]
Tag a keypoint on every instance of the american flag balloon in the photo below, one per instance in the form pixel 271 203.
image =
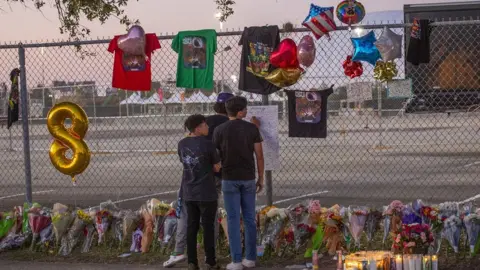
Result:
pixel 320 20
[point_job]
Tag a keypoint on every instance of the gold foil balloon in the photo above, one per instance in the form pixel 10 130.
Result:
pixel 68 139
pixel 284 77
pixel 385 71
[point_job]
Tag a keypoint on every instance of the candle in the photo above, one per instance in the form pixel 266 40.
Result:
pixel 434 262
pixel 373 264
pixel 315 260
pixel 427 265
pixel 339 261
pixel 411 262
pixel 398 262
pixel 418 262
pixel 406 262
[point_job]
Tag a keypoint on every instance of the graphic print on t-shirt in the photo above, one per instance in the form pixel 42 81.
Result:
pixel 194 52
pixel 308 107
pixel 259 59
pixel 416 30
pixel 133 62
pixel 189 159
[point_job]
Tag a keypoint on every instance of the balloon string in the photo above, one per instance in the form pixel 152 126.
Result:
pixel 74 183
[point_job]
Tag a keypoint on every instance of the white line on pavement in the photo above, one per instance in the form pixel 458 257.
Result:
pixel 472 164
pixel 140 197
pixel 470 199
pixel 300 197
pixel 22 194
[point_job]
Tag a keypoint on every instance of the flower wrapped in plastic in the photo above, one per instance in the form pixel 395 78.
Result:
pixel 47 238
pixel 413 239
pixel 315 212
pixel 160 212
pixel 7 221
pixel 89 236
pixel 333 230
pixel 262 221
pixel 169 227
pixel 147 236
pixel 117 226
pixel 372 225
pixel 302 231
pixel 103 219
pixel 357 217
pixel 38 219
pixel 452 228
pixel 136 241
pixel 394 212
pixel 347 236
pixel 472 226
pixel 62 218
pixel 410 216
pixel 13 241
pixel 277 218
pixel 448 209
pixel 386 224
pixel 131 221
pixel 76 231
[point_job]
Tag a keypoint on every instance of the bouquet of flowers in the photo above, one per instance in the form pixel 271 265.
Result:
pixel 61 220
pixel 136 241
pixel 39 219
pixel 386 224
pixel 333 229
pixel 448 209
pixel 357 217
pixel 117 226
pixel 472 225
pixel 298 216
pixel 103 219
pixel 70 240
pixel 169 227
pixel 89 235
pixel 47 237
pixel 394 212
pixel 315 212
pixel 410 216
pixel 7 221
pixel 452 228
pixel 347 237
pixel 277 218
pixel 131 220
pixel 147 237
pixel 160 213
pixel 262 221
pixel 413 239
pixel 372 225
pixel 430 217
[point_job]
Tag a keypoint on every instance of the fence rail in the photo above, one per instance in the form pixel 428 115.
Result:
pixel 378 147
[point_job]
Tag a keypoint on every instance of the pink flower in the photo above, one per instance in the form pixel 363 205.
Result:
pixel 411 244
pixel 397 240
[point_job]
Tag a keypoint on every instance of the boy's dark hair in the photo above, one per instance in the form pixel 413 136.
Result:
pixel 235 105
pixel 193 121
pixel 219 107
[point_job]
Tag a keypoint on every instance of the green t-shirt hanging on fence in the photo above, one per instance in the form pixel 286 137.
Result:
pixel 196 50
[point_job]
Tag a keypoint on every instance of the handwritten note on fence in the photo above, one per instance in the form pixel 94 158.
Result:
pixel 268 116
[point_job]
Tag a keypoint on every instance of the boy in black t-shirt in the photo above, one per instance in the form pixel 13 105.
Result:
pixel 200 160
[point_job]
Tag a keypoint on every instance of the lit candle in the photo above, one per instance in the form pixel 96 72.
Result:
pixel 315 260
pixel 434 262
pixel 339 261
pixel 427 265
pixel 398 262
pixel 411 262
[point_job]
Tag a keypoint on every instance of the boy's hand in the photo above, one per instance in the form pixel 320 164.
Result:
pixel 217 167
pixel 260 184
pixel 255 121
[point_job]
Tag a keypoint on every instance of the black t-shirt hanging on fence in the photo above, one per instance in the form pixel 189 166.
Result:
pixel 258 43
pixel 419 46
pixel 307 113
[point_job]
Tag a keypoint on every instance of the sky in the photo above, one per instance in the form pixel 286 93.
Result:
pixel 170 16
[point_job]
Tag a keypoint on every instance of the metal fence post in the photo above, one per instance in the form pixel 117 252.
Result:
pixel 26 135
pixel 268 174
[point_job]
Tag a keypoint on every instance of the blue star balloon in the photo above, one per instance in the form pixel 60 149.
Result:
pixel 365 49
pixel 315 11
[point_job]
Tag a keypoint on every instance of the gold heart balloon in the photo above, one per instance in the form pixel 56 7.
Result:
pixel 284 77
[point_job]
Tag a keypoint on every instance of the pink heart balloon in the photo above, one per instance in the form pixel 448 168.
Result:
pixel 133 42
pixel 306 51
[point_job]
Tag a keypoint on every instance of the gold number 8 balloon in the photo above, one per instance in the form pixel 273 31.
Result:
pixel 68 138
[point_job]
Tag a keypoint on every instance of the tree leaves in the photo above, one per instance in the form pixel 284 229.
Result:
pixel 225 8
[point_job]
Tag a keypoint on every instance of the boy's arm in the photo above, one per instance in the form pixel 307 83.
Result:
pixel 258 148
pixel 215 158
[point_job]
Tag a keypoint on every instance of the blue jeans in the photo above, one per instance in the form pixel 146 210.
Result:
pixel 241 195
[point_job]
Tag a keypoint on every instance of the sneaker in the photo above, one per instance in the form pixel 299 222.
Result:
pixel 213 267
pixel 192 266
pixel 234 266
pixel 248 264
pixel 174 259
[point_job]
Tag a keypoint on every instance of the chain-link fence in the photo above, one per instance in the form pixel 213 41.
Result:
pixel 379 146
